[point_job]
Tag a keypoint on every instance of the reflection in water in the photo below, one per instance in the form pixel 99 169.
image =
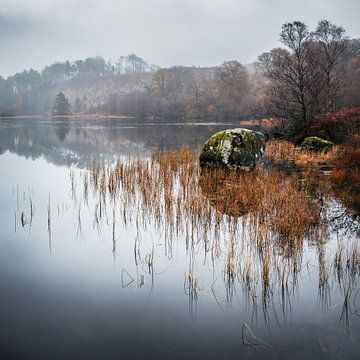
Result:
pixel 65 141
pixel 140 257
pixel 62 128
pixel 258 258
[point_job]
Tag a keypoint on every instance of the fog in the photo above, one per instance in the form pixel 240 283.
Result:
pixel 34 33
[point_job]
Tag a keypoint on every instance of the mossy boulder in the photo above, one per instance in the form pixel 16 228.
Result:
pixel 239 149
pixel 314 143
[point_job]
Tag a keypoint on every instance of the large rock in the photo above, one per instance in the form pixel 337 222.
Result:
pixel 239 149
pixel 314 143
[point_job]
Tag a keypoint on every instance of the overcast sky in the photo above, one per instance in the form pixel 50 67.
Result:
pixel 34 33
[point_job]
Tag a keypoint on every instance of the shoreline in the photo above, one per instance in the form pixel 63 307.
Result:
pixel 98 116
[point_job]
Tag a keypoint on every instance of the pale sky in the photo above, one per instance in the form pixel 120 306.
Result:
pixel 34 33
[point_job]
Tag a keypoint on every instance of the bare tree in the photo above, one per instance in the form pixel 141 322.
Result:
pixel 333 43
pixel 232 84
pixel 159 82
pixel 303 78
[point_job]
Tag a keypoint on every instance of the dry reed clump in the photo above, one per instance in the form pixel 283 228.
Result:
pixel 278 150
pixel 341 163
pixel 283 152
pixel 171 191
pixel 175 158
pixel 345 178
pixel 271 199
pixel 305 158
pixel 252 224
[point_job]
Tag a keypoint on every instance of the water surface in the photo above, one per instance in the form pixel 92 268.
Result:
pixel 73 287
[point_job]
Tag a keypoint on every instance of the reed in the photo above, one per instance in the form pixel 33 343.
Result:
pixel 252 224
pixel 345 178
pixel 49 223
pixel 282 151
pixel 171 190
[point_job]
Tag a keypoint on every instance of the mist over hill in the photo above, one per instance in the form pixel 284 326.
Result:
pixel 133 87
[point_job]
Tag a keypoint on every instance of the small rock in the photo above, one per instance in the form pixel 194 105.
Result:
pixel 314 143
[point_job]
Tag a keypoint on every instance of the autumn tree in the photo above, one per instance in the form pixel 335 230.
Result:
pixel 232 84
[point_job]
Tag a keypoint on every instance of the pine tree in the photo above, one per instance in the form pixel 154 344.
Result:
pixel 61 106
pixel 77 105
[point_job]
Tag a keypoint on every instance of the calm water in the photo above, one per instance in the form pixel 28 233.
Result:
pixel 76 288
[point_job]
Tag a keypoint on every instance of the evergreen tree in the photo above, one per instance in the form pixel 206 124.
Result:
pixel 61 106
pixel 77 105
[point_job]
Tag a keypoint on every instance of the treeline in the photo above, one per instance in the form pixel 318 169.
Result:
pixel 32 92
pixel 318 72
pixel 227 92
pixel 313 73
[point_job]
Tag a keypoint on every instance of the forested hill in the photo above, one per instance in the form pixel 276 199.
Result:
pixel 91 81
pixel 133 87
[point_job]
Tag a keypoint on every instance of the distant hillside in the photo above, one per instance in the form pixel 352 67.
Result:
pixel 133 87
pixel 91 80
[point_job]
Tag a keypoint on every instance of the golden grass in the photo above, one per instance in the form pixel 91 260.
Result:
pixel 171 190
pixel 345 178
pixel 270 199
pixel 254 223
pixel 341 163
pixel 282 150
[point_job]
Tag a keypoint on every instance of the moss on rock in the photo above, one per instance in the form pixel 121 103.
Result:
pixel 314 143
pixel 234 148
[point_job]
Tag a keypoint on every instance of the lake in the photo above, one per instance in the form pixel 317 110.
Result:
pixel 86 279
